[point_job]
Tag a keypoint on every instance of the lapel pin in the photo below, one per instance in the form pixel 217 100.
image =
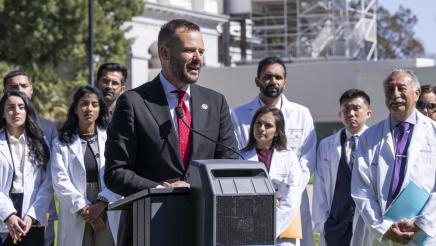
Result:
pixel 204 106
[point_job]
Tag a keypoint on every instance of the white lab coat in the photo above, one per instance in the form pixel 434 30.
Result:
pixel 327 164
pixel 69 182
pixel 301 138
pixel 284 168
pixel 372 174
pixel 38 190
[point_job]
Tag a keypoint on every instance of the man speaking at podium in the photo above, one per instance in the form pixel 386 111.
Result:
pixel 148 144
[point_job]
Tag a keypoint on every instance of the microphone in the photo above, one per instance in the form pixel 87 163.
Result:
pixel 179 113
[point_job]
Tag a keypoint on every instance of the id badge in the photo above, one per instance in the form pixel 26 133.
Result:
pixel 294 137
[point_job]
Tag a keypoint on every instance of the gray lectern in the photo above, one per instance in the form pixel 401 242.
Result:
pixel 233 203
pixel 230 202
pixel 161 217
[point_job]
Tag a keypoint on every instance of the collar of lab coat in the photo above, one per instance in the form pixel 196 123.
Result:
pixel 336 141
pixel 256 103
pixel 334 157
pixel 251 155
pixel 4 148
pixel 76 147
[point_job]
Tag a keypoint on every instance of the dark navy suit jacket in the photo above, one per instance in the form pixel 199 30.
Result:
pixel 142 148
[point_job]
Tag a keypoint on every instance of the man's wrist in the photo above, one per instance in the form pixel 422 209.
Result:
pixel 102 199
pixel 103 202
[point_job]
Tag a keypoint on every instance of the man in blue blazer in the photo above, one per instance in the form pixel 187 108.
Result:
pixel 143 150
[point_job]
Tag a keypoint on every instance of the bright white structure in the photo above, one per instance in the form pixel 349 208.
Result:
pixel 296 29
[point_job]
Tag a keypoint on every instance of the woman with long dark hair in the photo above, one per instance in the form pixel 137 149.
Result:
pixel 77 171
pixel 25 183
pixel 267 144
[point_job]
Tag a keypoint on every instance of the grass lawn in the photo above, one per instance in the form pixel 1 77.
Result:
pixel 316 237
pixel 56 222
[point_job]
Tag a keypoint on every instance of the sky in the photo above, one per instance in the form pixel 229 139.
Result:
pixel 425 29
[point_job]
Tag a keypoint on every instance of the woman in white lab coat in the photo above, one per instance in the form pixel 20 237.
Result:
pixel 77 171
pixel 25 182
pixel 267 144
pixel 301 138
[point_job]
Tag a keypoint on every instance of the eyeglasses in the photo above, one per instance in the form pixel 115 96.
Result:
pixel 429 106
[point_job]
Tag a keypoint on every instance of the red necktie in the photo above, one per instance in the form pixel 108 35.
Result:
pixel 184 132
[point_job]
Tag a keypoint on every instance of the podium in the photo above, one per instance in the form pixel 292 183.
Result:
pixel 230 202
pixel 234 203
pixel 160 217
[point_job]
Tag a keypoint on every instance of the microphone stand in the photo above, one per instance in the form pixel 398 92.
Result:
pixel 179 113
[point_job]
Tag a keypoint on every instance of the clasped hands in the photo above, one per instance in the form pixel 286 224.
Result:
pixel 18 227
pixel 91 214
pixel 402 231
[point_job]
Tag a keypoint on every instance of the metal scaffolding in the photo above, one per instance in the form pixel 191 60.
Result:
pixel 302 29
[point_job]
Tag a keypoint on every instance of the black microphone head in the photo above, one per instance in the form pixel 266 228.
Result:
pixel 179 112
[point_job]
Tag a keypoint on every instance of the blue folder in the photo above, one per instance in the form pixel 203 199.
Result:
pixel 407 205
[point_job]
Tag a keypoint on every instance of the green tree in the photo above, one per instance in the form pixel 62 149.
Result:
pixel 48 40
pixel 395 35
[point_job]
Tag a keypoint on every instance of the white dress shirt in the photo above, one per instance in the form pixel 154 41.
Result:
pixel 348 143
pixel 19 153
pixel 173 98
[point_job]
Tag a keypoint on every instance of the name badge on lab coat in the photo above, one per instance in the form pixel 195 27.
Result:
pixel 427 154
pixel 294 137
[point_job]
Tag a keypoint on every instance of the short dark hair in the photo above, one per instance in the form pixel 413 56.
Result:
pixel 167 32
pixel 279 141
pixel 112 67
pixel 354 93
pixel 72 123
pixel 12 74
pixel 428 89
pixel 269 61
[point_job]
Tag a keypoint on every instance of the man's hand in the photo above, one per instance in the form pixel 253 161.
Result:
pixel 401 231
pixel 92 212
pixel 407 225
pixel 176 184
pixel 98 224
pixel 14 224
